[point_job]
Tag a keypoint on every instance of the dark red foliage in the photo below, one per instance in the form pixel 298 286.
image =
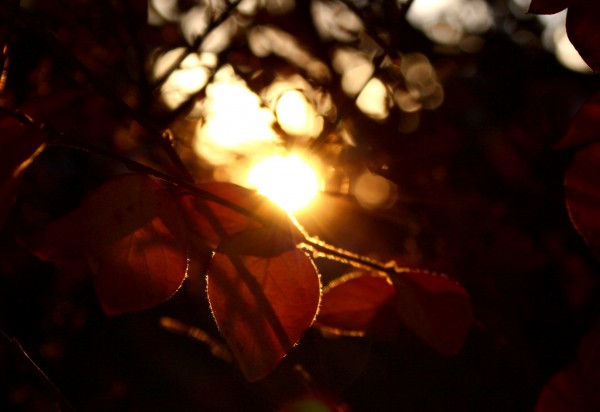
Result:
pixel 576 388
pixel 548 6
pixel 20 143
pixel 18 147
pixel 582 190
pixel 585 127
pixel 132 235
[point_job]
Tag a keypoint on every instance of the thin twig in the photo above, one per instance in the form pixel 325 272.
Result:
pixel 216 348
pixel 197 42
pixel 63 403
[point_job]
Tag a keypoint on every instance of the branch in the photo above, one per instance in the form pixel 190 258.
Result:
pixel 311 244
pixel 108 93
pixel 18 348
pixel 197 42
pixel 216 348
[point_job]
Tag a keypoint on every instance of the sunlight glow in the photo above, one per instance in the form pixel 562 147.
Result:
pixel 555 39
pixel 373 191
pixel 373 100
pixel 295 115
pixel 190 77
pixel 288 181
pixel 235 125
pixel 447 21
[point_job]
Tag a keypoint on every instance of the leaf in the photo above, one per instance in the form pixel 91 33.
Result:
pixel 576 388
pixel 19 145
pixel 582 192
pixel 21 140
pixel 132 233
pixel 435 308
pixel 583 20
pixel 359 304
pixel 213 221
pixel 262 306
pixel 585 126
pixel 548 6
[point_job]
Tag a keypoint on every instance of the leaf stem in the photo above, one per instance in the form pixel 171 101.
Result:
pixel 18 348
pixel 322 249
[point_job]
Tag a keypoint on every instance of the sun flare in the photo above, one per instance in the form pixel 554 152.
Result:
pixel 288 181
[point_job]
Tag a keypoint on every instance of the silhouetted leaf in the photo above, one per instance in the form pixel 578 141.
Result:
pixel 585 126
pixel 213 221
pixel 432 306
pixel 132 233
pixel 577 387
pixel 583 20
pixel 21 140
pixel 548 6
pixel 435 308
pixel 359 304
pixel 262 306
pixel 582 191
pixel 18 147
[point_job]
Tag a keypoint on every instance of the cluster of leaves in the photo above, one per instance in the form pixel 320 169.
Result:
pixel 575 388
pixel 263 288
pixel 138 232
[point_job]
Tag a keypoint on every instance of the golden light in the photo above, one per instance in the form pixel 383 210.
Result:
pixel 295 115
pixel 373 191
pixel 189 78
pixel 288 181
pixel 235 125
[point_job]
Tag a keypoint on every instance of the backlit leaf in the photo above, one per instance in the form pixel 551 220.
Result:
pixel 432 306
pixel 582 191
pixel 359 304
pixel 132 233
pixel 548 6
pixel 213 221
pixel 583 20
pixel 262 306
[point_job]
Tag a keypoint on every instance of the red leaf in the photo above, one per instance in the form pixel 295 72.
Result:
pixel 582 191
pixel 213 221
pixel 134 238
pixel 360 304
pixel 262 306
pixel 583 21
pixel 548 6
pixel 577 387
pixel 585 126
pixel 435 308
